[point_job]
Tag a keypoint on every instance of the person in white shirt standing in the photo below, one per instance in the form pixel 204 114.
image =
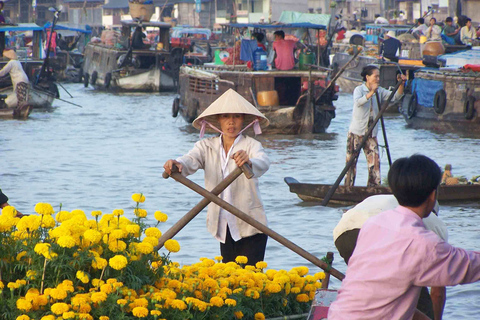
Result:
pixel 220 155
pixel 18 98
pixel 365 109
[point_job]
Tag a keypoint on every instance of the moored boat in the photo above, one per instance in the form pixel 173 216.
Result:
pixel 120 66
pixel 348 195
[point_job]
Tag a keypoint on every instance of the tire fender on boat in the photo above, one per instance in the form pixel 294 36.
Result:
pixel 175 107
pixel 108 79
pixel 93 80
pixel 86 79
pixel 412 106
pixel 469 108
pixel 440 101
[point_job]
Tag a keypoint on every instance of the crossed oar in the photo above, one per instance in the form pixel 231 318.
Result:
pixel 213 197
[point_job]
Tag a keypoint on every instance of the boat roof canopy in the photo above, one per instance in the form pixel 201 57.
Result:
pixel 78 28
pixel 134 23
pixel 21 27
pixel 296 25
pixel 179 31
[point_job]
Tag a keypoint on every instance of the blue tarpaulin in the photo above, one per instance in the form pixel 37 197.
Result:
pixel 426 90
pixel 76 28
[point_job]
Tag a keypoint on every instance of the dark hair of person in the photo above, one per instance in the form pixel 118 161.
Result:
pixel 449 19
pixel 368 71
pixel 259 37
pixel 433 20
pixel 280 33
pixel 421 20
pixel 377 15
pixel 413 179
pixel 468 19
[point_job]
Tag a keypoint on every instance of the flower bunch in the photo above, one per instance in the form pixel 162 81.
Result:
pixel 106 267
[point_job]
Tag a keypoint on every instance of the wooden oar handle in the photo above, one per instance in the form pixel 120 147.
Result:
pixel 247 170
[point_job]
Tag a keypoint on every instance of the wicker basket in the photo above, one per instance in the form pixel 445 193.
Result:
pixel 141 11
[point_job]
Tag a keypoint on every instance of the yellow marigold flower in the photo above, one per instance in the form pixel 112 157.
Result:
pixel 23 317
pixel 12 285
pixel 238 314
pixel 96 213
pixel 117 234
pixel 59 308
pixel 219 258
pixel 230 302
pixel 118 262
pixel 261 265
pixel 152 240
pixel 63 216
pixel 107 288
pixel 259 316
pixel 21 255
pixel 104 318
pixel 70 315
pixel 178 304
pixel 1 285
pixel 85 316
pixel 153 232
pixel 140 312
pixel 44 209
pixel 66 242
pixel 145 247
pixel 141 213
pixel 295 290
pixel 273 287
pixel 319 275
pixel 47 222
pixel 24 305
pixel 49 317
pixel 121 302
pixel 93 236
pixel 99 263
pixel 155 313
pixel 118 212
pixel 58 294
pixel 217 302
pixel 82 276
pixel 31 274
pixel 138 197
pixel 241 260
pixel 117 245
pixel 41 248
pixel 9 211
pixel 302 298
pixel 133 229
pixel 160 216
pixel 29 223
pixel 172 245
pixel 98 297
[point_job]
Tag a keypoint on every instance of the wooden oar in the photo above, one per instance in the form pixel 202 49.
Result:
pixel 251 221
pixel 384 132
pixel 330 193
pixel 170 233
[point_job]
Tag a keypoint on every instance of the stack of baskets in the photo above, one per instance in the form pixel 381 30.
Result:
pixel 141 10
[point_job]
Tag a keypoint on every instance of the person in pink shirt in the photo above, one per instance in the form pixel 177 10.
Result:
pixel 284 50
pixel 396 255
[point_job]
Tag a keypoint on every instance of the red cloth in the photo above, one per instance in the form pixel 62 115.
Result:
pixel 54 40
pixel 341 35
pixel 473 67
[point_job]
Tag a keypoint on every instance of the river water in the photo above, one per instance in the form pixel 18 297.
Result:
pixel 96 157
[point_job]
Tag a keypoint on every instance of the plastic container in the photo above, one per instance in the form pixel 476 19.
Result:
pixel 267 98
pixel 304 59
pixel 217 59
pixel 259 59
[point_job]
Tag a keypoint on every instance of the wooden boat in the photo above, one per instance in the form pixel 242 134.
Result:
pixel 13 113
pixel 445 99
pixel 200 86
pixel 123 68
pixel 352 195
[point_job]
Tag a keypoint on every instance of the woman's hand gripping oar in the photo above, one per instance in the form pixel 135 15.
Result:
pixel 170 233
pixel 211 197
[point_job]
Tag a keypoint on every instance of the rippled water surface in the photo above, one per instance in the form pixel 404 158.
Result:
pixel 96 157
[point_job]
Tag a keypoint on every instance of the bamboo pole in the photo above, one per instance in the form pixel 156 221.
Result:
pixel 384 132
pixel 261 227
pixel 330 193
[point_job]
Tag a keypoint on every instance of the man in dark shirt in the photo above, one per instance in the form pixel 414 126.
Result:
pixel 137 38
pixel 450 31
pixel 390 47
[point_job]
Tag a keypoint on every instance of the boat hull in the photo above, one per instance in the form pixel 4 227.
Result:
pixel 350 195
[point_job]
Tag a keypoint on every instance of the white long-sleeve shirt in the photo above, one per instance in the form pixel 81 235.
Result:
pixel 15 69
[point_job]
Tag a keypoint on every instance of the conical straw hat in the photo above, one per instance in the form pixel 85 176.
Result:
pixel 10 54
pixel 230 102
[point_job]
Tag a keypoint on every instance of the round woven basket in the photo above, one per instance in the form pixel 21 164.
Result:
pixel 141 11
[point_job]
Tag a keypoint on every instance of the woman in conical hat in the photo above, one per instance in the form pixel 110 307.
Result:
pixel 19 79
pixel 220 155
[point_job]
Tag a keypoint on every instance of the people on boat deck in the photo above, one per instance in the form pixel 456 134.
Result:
pixel 450 31
pixel 395 255
pixel 346 232
pixel 137 38
pixel 380 20
pixel 284 51
pixel 51 42
pixel 19 80
pixel 4 203
pixel 220 155
pixel 434 31
pixel 420 29
pixel 365 110
pixel 391 47
pixel 467 33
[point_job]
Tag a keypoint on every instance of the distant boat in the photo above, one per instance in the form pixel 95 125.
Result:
pixel 352 195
